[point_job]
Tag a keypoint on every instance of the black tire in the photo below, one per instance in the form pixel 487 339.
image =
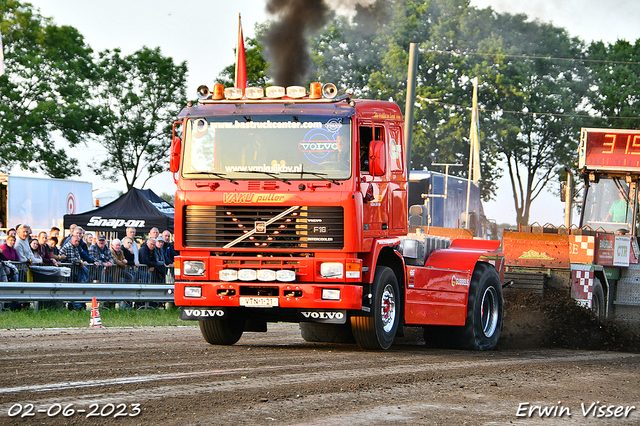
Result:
pixel 327 333
pixel 598 300
pixel 484 310
pixel 222 331
pixel 378 330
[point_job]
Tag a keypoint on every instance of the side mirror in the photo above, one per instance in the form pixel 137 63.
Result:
pixel 174 161
pixel 377 158
pixel 176 147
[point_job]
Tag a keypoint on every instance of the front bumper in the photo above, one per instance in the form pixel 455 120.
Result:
pixel 288 295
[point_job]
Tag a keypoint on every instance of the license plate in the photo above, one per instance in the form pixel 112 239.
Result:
pixel 259 302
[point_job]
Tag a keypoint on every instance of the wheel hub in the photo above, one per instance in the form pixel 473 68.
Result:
pixel 489 311
pixel 388 308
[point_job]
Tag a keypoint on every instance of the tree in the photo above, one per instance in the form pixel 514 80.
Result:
pixel 48 72
pixel 537 102
pixel 140 96
pixel 349 51
pixel 530 103
pixel 617 94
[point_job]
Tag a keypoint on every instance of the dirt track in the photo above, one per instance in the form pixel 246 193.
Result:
pixel 277 378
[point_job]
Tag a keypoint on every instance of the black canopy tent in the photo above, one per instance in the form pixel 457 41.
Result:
pixel 138 208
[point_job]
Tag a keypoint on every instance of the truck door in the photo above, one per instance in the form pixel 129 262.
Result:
pixel 397 181
pixel 374 188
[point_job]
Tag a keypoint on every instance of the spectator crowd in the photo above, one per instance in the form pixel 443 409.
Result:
pixel 90 257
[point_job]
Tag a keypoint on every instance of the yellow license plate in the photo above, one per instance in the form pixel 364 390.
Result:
pixel 259 302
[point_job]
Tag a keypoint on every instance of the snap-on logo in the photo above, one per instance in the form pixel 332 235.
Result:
pixel 323 315
pixel 204 312
pixel 115 223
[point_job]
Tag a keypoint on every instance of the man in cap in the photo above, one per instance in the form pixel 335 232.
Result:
pixel 100 252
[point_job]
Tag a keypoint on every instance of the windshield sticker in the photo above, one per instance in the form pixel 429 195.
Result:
pixel 394 149
pixel 202 125
pixel 318 144
pixel 275 168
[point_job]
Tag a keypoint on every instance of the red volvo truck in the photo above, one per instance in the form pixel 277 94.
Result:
pixel 291 205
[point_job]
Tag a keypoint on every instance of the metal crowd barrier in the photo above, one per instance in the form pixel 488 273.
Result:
pixel 107 284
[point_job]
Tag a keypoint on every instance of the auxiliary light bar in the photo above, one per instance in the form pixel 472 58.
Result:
pixel 258 94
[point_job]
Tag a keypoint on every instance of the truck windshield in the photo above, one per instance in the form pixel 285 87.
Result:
pixel 267 147
pixel 609 205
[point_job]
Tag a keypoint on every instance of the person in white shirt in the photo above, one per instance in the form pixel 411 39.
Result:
pixel 131 233
pixel 22 243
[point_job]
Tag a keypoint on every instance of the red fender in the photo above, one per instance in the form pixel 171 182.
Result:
pixel 438 292
pixel 369 260
pixel 461 255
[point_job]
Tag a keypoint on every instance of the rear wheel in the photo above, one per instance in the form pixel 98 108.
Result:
pixel 328 333
pixel 598 300
pixel 225 331
pixel 484 310
pixel 378 330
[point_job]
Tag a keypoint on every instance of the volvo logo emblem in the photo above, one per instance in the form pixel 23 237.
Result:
pixel 261 227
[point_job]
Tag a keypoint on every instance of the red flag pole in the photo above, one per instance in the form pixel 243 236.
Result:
pixel 241 61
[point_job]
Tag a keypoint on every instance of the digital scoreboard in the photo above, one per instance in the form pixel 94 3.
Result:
pixel 610 149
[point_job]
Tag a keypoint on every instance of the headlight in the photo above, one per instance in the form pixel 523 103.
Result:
pixel 228 275
pixel 286 275
pixel 266 275
pixel 247 275
pixel 331 270
pixel 193 267
pixel 191 291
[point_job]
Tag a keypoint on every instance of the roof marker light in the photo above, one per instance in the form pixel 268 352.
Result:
pixel 218 92
pixel 254 92
pixel 315 91
pixel 296 92
pixel 275 92
pixel 233 93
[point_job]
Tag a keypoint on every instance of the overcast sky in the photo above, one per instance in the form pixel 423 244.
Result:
pixel 203 33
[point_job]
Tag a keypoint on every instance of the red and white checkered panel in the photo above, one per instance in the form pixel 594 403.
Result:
pixel 583 285
pixel 586 244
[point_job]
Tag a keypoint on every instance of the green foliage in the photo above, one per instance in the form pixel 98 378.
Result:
pixel 140 96
pixel 169 198
pixel 618 95
pixel 48 72
pixel 62 318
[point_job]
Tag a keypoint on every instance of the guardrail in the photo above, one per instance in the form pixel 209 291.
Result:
pixel 70 292
pixel 106 284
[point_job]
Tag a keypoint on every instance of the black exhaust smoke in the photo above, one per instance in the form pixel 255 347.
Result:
pixel 286 46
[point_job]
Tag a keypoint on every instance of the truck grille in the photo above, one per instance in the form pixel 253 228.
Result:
pixel 304 228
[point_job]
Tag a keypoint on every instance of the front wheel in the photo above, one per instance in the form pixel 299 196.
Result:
pixel 226 331
pixel 378 330
pixel 484 310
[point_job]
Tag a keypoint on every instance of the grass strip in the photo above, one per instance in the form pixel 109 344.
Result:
pixel 63 318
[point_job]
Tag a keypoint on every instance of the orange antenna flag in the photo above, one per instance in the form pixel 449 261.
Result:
pixel 241 60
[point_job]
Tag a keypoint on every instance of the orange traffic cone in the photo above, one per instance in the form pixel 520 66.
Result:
pixel 95 315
